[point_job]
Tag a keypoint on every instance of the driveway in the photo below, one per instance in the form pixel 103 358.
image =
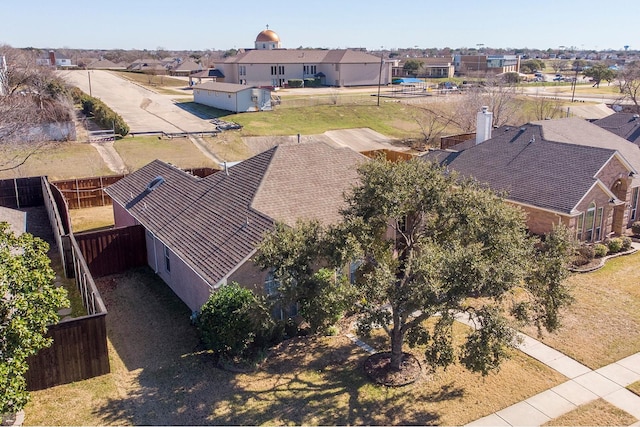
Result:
pixel 144 110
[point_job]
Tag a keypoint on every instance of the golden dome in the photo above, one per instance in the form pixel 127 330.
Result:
pixel 268 36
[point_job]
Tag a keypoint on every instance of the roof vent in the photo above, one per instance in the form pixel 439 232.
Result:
pixel 155 183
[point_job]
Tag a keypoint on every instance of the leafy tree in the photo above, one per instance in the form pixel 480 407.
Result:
pixel 435 246
pixel 599 72
pixel 412 66
pixel 530 66
pixel 28 303
pixel 233 321
pixel 304 265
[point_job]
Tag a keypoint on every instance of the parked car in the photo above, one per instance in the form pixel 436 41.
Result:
pixel 558 78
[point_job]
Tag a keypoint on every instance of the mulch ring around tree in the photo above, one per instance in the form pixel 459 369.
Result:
pixel 378 368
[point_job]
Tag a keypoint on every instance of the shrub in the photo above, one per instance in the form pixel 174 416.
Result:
pixel 635 227
pixel 104 116
pixel 295 82
pixel 232 321
pixel 587 252
pixel 600 250
pixel 615 245
pixel 626 243
pixel 311 82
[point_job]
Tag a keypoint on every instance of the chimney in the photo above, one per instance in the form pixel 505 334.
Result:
pixel 52 58
pixel 484 125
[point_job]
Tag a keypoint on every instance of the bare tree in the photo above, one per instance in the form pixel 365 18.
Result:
pixel 499 96
pixel 629 82
pixel 546 108
pixel 432 122
pixel 559 65
pixel 34 96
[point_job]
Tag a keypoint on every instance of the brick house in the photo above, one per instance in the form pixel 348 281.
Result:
pixel 201 233
pixel 565 171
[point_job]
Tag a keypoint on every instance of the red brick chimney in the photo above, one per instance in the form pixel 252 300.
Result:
pixel 52 58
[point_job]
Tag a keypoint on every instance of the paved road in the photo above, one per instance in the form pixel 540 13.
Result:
pixel 144 110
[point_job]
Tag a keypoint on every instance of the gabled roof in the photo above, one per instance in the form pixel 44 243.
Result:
pixel 215 223
pixel 532 169
pixel 299 56
pixel 188 65
pixel 625 125
pixel 577 131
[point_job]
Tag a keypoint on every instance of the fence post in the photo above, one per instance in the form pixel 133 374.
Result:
pixel 102 191
pixel 15 186
pixel 78 194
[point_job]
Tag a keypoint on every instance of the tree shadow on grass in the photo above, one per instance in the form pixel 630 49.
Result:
pixel 167 378
pixel 194 391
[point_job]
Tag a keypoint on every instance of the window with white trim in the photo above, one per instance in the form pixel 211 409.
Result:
pixel 579 227
pixel 589 222
pixel 634 203
pixel 599 215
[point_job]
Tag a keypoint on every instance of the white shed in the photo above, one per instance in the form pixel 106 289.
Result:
pixel 232 97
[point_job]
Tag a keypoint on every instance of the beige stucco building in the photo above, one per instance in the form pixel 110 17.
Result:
pixel 268 65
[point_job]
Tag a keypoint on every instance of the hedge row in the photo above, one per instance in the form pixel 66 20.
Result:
pixel 104 116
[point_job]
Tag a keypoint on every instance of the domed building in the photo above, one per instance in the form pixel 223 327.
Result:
pixel 271 66
pixel 267 40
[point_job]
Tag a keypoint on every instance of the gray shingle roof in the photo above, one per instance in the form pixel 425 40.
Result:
pixel 625 125
pixel 214 223
pixel 577 131
pixel 532 170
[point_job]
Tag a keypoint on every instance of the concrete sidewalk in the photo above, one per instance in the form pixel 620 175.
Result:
pixel 584 386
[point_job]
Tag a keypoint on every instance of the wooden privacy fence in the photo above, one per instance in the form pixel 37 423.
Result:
pixel 391 155
pixel 89 192
pixel 20 192
pixel 114 250
pixel 79 350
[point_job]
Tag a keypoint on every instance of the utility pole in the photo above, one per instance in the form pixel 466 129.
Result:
pixel 380 74
pixel 89 75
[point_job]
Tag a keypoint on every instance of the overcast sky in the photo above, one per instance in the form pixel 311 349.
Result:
pixel 205 24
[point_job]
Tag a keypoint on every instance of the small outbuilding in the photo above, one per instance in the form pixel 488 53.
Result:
pixel 232 97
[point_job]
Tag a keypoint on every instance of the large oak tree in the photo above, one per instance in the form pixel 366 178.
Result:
pixel 432 245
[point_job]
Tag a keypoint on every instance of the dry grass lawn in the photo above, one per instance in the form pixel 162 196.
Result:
pixel 602 324
pixel 635 387
pixel 91 218
pixel 139 151
pixel 596 413
pixel 160 376
pixel 228 146
pixel 61 161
